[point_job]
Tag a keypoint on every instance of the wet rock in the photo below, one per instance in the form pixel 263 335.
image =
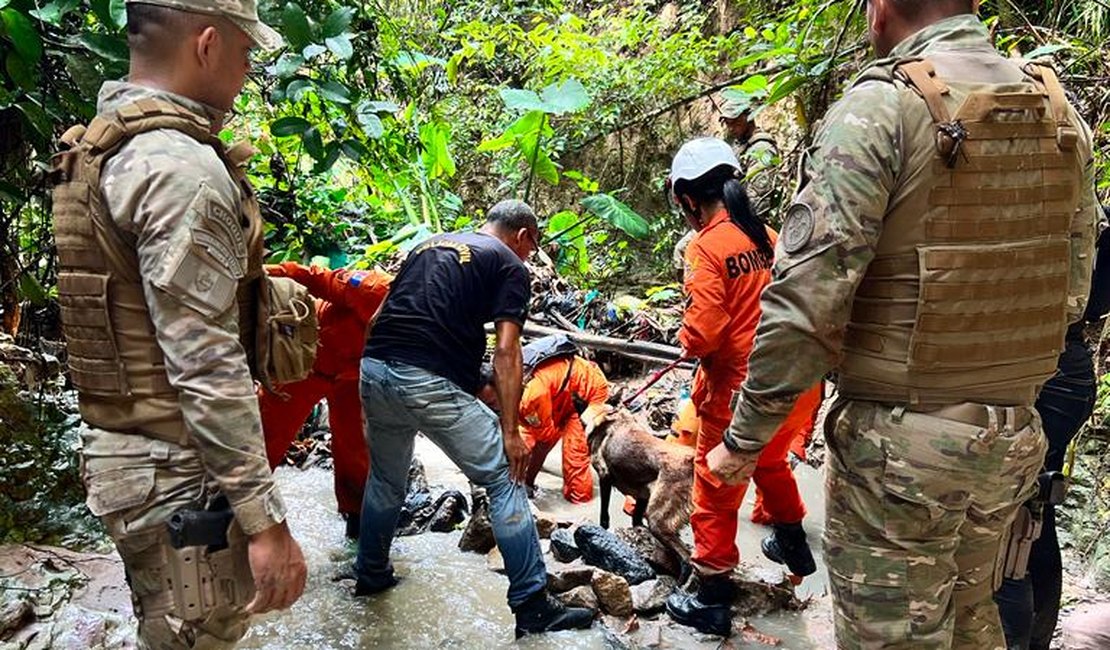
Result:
pixel 563 547
pixel 478 536
pixel 613 593
pixel 495 561
pixel 662 559
pixel 605 550
pixel 579 597
pixel 564 577
pixel 650 597
pixel 450 511
pixel 14 614
pixel 762 591
pixel 545 524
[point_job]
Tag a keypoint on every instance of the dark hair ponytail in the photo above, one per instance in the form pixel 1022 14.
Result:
pixel 721 184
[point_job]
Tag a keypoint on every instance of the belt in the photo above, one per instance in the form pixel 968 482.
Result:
pixel 980 415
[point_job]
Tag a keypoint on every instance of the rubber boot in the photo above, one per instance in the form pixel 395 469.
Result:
pixel 542 613
pixel 709 609
pixel 787 545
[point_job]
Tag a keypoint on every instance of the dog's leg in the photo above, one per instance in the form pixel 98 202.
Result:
pixel 638 512
pixel 606 488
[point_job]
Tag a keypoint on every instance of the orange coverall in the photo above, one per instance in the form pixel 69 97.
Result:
pixel 345 303
pixel 724 279
pixel 547 415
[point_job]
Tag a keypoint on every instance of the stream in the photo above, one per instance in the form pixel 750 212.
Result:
pixel 451 599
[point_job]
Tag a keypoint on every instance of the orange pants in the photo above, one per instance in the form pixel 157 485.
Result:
pixel 283 419
pixel 716 504
pixel 578 481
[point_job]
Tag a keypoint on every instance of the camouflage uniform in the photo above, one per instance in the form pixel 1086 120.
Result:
pixel 760 159
pixel 919 495
pixel 167 191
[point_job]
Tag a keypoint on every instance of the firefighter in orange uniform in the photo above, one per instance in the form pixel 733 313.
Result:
pixel 559 390
pixel 727 266
pixel 345 303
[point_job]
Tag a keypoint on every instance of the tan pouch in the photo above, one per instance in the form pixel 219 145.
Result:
pixel 287 332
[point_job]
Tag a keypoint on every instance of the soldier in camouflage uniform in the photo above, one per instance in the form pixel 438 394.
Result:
pixel 157 233
pixel 940 242
pixel 758 155
pixel 759 159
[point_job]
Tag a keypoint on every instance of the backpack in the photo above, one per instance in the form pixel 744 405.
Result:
pixel 554 346
pixel 287 331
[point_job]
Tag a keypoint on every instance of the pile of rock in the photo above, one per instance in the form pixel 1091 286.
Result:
pixel 622 573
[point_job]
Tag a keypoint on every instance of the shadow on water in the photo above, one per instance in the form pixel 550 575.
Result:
pixel 450 599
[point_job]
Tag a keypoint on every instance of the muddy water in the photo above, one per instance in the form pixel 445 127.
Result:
pixel 450 599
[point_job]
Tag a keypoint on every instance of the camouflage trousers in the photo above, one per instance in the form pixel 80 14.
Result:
pixel 134 484
pixel 918 508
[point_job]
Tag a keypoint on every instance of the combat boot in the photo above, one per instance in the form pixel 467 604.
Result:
pixel 542 613
pixel 787 545
pixel 709 609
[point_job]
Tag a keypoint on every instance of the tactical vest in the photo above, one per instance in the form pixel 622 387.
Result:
pixel 113 355
pixel 966 297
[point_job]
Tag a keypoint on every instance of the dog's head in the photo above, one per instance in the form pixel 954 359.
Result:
pixel 594 416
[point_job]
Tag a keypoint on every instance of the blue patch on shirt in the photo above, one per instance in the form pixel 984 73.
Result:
pixel 355 279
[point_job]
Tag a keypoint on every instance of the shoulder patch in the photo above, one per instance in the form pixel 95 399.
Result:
pixel 797 228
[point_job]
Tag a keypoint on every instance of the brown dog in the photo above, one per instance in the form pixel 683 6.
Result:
pixel 657 474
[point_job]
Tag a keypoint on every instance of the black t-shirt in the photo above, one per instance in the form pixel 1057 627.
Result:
pixel 444 294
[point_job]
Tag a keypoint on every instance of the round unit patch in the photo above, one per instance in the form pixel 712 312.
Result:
pixel 797 228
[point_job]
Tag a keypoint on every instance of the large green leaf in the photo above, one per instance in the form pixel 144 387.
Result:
pixel 567 97
pixel 335 91
pixel 573 255
pixel 354 150
pixel 378 106
pixel 32 290
pixel 435 137
pixel 37 119
pixel 288 65
pixel 617 214
pixel 340 46
pixel 291 125
pixel 22 33
pixel 520 99
pixel 337 22
pixel 23 73
pixel 372 125
pixel 331 154
pixel 314 143
pixel 112 48
pixel 298 31
pixel 84 72
pixel 110 13
pixel 52 12
pixel 527 124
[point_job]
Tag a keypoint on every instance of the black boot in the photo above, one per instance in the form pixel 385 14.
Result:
pixel 787 545
pixel 542 613
pixel 354 522
pixel 709 609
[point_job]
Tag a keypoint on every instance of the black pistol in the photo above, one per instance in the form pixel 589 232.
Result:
pixel 201 527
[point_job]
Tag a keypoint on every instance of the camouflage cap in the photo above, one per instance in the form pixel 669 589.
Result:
pixel 732 109
pixel 244 13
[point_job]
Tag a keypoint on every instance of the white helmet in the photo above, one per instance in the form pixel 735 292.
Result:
pixel 699 156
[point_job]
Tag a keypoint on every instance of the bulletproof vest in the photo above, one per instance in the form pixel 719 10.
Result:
pixel 965 299
pixel 114 359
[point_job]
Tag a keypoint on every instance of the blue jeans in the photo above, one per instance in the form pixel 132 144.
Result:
pixel 399 400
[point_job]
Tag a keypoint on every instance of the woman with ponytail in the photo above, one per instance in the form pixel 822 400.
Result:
pixel 728 264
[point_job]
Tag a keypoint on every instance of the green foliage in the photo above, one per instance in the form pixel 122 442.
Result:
pixel 41 498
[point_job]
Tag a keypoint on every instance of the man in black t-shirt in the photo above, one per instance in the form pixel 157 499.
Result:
pixel 421 371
